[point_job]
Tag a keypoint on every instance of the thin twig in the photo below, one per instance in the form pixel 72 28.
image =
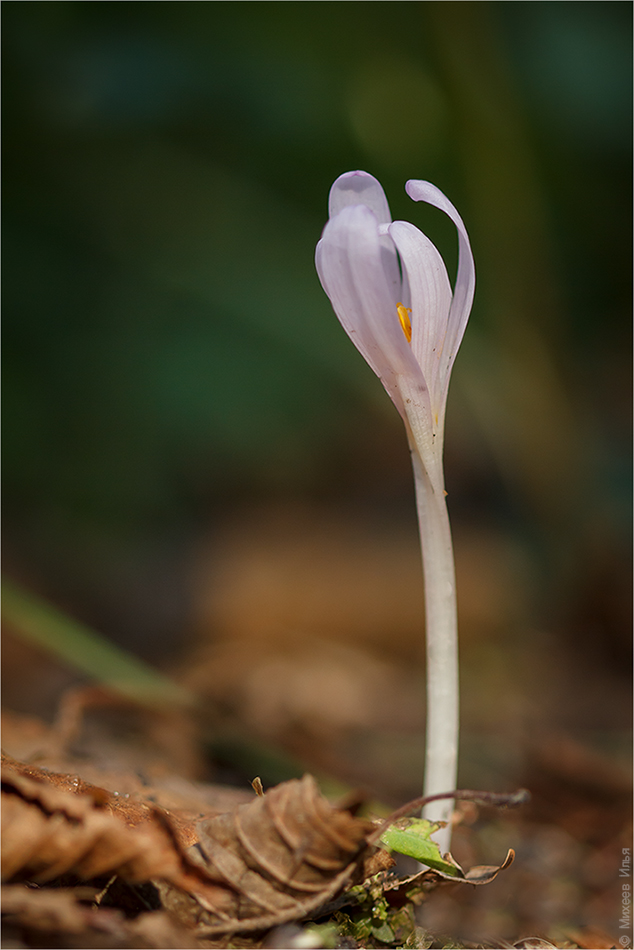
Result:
pixel 495 799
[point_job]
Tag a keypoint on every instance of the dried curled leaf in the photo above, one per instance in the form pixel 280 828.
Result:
pixel 47 910
pixel 270 861
pixel 132 811
pixel 415 886
pixel 280 857
pixel 57 916
pixel 47 832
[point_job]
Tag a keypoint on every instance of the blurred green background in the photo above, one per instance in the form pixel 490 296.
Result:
pixel 169 355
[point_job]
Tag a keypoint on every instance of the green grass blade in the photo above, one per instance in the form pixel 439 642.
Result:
pixel 35 620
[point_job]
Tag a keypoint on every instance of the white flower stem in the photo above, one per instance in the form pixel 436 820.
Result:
pixel 441 757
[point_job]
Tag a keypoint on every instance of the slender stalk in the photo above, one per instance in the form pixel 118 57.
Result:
pixel 441 757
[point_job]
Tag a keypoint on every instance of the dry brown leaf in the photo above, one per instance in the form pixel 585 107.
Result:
pixel 132 811
pixel 280 857
pixel 485 873
pixel 48 831
pixel 57 914
pixel 129 776
pixel 270 861
pixel 414 887
pixel 55 910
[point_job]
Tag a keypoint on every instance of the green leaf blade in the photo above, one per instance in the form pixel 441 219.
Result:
pixel 414 841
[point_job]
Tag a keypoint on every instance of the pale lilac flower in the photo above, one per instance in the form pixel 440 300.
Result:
pixel 379 275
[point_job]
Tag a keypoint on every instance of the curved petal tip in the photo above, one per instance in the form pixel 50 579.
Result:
pixel 359 188
pixel 419 190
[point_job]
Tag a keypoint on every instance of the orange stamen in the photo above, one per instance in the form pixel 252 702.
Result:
pixel 403 315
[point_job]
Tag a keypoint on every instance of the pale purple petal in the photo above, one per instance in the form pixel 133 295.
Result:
pixel 360 188
pixel 350 267
pixel 430 292
pixel 465 280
